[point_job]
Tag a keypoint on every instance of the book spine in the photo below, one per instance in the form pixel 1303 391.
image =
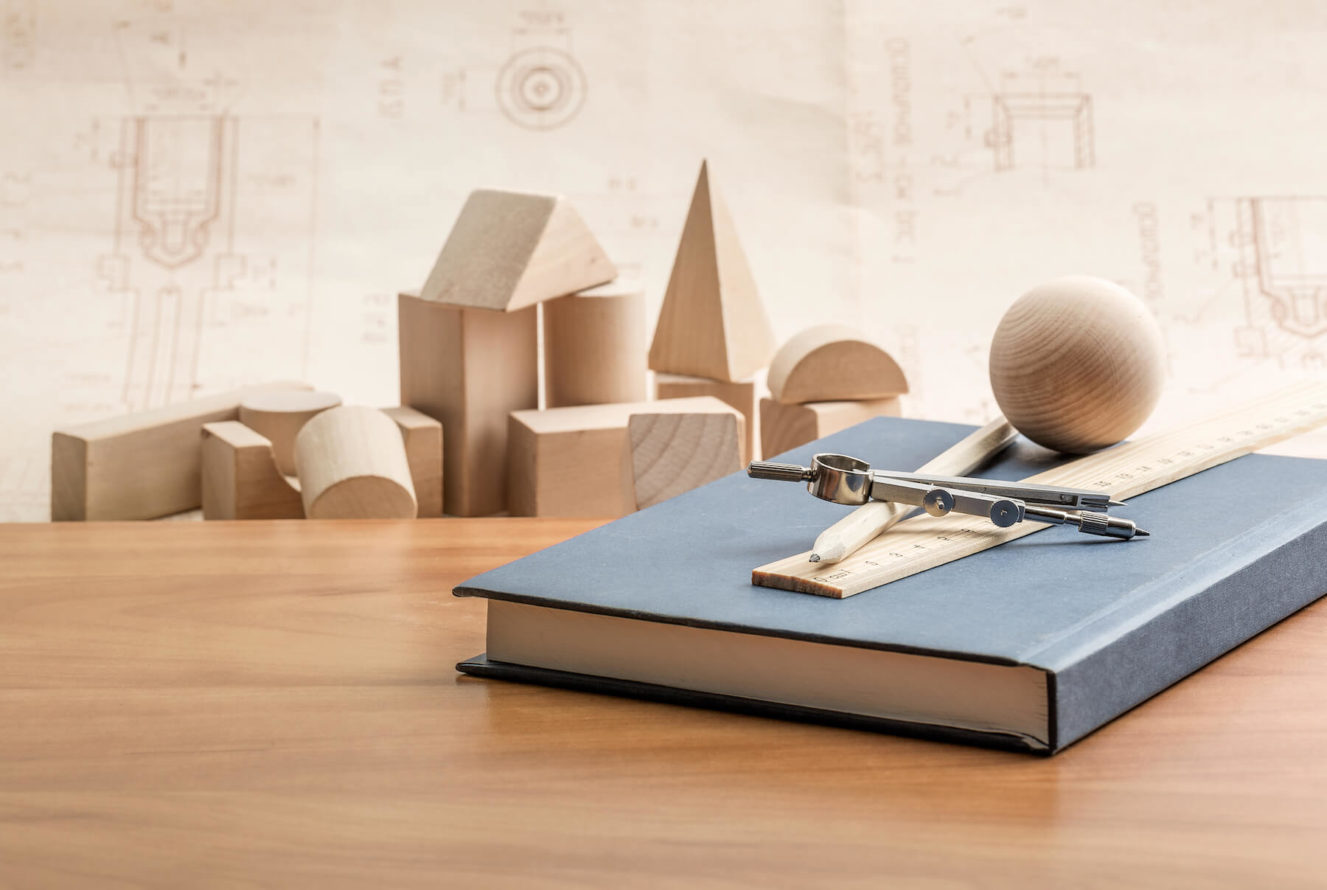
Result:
pixel 1109 680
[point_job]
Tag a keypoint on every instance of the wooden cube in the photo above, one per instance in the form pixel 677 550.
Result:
pixel 577 461
pixel 785 427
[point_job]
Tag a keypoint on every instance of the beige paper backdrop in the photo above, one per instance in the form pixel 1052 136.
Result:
pixel 198 195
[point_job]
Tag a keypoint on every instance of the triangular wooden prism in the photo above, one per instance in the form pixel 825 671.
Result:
pixel 509 250
pixel 712 323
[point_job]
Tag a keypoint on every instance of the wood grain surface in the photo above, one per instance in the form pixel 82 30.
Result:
pixel 273 704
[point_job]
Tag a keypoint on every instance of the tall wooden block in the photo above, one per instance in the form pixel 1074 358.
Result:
pixel 423 450
pixel 740 394
pixel 510 250
pixel 712 323
pixel 138 466
pixel 469 369
pixel 672 453
pixel 594 346
pixel 785 427
pixel 240 476
pixel 577 461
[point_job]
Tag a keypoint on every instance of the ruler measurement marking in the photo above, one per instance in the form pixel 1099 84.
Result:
pixel 1133 468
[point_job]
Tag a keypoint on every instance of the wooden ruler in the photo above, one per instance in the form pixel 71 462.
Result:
pixel 1123 471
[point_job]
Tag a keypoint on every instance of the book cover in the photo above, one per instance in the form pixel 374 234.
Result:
pixel 1233 550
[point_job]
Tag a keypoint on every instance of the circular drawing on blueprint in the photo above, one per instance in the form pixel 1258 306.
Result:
pixel 541 88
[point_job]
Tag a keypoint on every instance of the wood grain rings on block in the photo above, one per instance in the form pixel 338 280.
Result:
pixel 352 465
pixel 577 461
pixel 673 453
pixel 279 415
pixel 833 363
pixel 1077 364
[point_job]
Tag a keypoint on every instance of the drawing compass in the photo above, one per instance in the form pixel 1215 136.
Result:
pixel 847 480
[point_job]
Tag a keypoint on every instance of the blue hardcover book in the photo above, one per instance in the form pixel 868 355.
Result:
pixel 1030 645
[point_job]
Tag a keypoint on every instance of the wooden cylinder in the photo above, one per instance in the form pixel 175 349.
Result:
pixel 352 465
pixel 279 416
pixel 594 346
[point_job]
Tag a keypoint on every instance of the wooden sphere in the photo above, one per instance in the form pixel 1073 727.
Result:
pixel 1077 364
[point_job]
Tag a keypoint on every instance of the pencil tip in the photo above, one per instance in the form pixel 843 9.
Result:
pixel 1116 504
pixel 814 557
pixel 1139 533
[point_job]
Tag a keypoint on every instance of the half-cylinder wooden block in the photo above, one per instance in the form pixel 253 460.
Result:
pixel 785 427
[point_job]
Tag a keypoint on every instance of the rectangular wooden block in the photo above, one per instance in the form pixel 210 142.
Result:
pixel 469 369
pixel 741 395
pixel 240 479
pixel 785 427
pixel 423 451
pixel 577 461
pixel 138 466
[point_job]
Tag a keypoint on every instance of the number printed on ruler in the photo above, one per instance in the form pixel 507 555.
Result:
pixel 1122 471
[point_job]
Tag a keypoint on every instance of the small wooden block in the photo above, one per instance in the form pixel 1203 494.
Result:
pixel 138 466
pixel 712 323
pixel 740 394
pixel 594 346
pixel 785 427
pixel 240 476
pixel 352 465
pixel 422 436
pixel 510 250
pixel 469 369
pixel 280 415
pixel 673 453
pixel 577 461
pixel 832 363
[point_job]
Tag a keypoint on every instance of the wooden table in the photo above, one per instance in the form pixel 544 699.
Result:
pixel 274 704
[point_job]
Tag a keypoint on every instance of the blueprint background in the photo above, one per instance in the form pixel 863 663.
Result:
pixel 198 195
